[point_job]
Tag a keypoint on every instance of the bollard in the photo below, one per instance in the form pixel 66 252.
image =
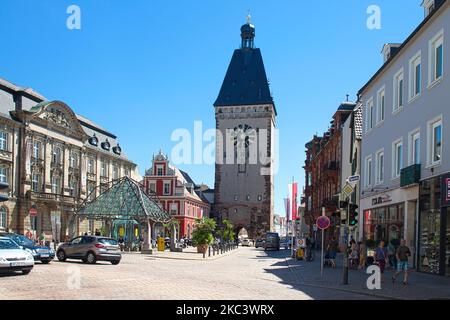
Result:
pixel 204 255
pixel 209 251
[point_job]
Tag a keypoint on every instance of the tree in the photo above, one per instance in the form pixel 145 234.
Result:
pixel 227 231
pixel 202 236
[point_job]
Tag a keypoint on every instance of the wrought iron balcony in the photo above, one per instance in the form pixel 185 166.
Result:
pixel 410 175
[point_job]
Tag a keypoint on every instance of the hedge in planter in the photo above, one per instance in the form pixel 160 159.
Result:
pixel 202 236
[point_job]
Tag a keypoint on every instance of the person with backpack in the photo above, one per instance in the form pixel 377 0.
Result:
pixel 381 257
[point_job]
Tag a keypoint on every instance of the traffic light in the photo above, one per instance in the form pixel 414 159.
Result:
pixel 3 197
pixel 343 204
pixel 353 214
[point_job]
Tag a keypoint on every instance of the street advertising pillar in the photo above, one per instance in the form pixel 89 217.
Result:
pixel 147 247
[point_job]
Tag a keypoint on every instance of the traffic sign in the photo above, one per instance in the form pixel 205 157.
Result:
pixel 347 190
pixel 323 223
pixel 353 179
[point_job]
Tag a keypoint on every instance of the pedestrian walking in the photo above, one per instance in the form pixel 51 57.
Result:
pixel 403 253
pixel 28 234
pixel 42 239
pixel 97 233
pixel 391 255
pixel 332 251
pixel 381 257
pixel 362 256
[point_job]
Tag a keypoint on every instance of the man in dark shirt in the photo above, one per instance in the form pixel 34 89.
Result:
pixel 403 253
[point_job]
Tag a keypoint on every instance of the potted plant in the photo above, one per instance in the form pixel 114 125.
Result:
pixel 202 236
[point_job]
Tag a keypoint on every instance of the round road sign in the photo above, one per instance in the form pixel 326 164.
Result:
pixel 323 223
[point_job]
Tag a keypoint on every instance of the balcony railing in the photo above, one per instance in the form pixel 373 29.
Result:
pixel 410 175
pixel 51 197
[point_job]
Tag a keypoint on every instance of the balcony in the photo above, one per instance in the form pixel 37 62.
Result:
pixel 51 197
pixel 410 175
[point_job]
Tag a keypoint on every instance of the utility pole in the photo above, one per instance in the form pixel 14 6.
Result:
pixel 345 270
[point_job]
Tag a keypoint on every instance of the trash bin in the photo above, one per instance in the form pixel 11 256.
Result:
pixel 161 244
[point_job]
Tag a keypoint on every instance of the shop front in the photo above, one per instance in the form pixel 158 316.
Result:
pixel 390 217
pixel 434 226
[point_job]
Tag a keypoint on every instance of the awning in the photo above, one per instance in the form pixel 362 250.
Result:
pixel 124 200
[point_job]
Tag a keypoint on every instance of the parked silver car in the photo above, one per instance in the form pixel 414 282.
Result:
pixel 14 258
pixel 90 249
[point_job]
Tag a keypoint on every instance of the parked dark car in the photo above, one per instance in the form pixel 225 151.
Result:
pixel 40 253
pixel 259 243
pixel 272 241
pixel 90 249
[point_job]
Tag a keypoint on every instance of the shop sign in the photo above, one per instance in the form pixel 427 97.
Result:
pixel 445 192
pixel 380 200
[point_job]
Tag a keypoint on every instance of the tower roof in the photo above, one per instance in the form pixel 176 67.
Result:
pixel 245 82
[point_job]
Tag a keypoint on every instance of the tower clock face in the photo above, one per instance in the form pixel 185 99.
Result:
pixel 244 135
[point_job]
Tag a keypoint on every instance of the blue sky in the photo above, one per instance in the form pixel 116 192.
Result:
pixel 144 68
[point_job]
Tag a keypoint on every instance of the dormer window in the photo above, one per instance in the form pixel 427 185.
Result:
pixel 93 140
pixel 429 6
pixel 117 150
pixel 105 145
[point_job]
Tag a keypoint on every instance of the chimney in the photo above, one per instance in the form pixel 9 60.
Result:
pixel 389 50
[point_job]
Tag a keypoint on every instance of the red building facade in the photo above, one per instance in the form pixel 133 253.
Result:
pixel 323 173
pixel 177 194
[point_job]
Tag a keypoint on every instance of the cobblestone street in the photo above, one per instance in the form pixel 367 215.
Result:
pixel 246 273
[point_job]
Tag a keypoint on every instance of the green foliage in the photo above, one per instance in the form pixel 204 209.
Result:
pixel 203 232
pixel 227 231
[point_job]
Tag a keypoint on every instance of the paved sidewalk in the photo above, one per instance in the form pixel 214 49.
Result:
pixel 421 287
pixel 188 254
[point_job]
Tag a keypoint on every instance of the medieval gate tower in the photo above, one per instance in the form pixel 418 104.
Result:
pixel 245 120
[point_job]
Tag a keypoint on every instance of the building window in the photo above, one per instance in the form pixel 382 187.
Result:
pixel 115 172
pixel 414 147
pixel 3 141
pixel 57 155
pixel 35 182
pixel 37 149
pixel 379 167
pixel 435 142
pixel 236 198
pixel 91 191
pixel 152 188
pixel 91 166
pixel 248 197
pixel 73 187
pixel 73 160
pixel 381 104
pixel 4 174
pixel 415 76
pixel 260 198
pixel 166 189
pixel 3 218
pixel 159 171
pixel 368 171
pixel 104 168
pixel 127 172
pixel 436 58
pixel 56 185
pixel 173 209
pixel 397 161
pixel 369 115
pixel 399 85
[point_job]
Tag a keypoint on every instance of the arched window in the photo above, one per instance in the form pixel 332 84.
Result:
pixel 3 217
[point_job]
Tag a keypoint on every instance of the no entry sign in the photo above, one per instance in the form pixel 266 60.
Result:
pixel 323 223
